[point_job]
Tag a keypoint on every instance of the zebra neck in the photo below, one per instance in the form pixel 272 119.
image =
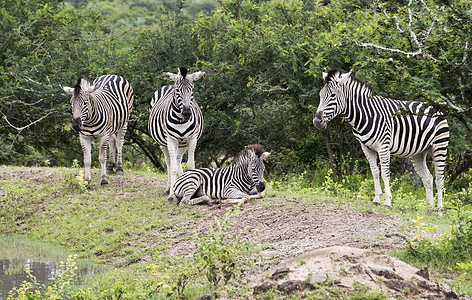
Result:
pixel 244 179
pixel 93 107
pixel 358 103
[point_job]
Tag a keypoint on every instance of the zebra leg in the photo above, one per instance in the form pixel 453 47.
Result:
pixel 167 159
pixel 244 199
pixel 111 153
pixel 195 201
pixel 372 158
pixel 192 145
pixel 233 195
pixel 439 154
pixel 86 142
pixel 180 155
pixel 172 148
pixel 384 156
pixel 119 140
pixel 439 159
pixel 419 162
pixel 102 157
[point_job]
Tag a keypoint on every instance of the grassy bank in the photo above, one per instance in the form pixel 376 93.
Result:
pixel 159 250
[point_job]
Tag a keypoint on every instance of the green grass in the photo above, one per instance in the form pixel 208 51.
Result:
pixel 129 225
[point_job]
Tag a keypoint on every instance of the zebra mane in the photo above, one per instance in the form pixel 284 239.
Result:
pixel 256 148
pixel 183 71
pixel 78 85
pixel 334 74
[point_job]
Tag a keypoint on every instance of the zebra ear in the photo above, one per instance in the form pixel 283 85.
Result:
pixel 325 73
pixel 343 77
pixel 195 76
pixel 68 90
pixel 170 76
pixel 265 154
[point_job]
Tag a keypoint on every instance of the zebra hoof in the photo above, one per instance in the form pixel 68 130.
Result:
pixel 217 201
pixel 170 200
pixel 388 206
pixel 210 203
pixel 110 171
pixel 119 172
pixel 104 182
pixel 376 203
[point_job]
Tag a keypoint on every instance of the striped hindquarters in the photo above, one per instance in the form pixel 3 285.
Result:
pixel 111 105
pixel 418 129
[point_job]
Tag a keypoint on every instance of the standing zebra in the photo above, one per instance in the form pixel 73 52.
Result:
pixel 176 122
pixel 101 110
pixel 233 184
pixel 387 127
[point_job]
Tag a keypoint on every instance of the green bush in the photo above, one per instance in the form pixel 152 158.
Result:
pixel 221 258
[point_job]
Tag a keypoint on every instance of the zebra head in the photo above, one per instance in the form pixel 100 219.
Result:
pixel 79 101
pixel 183 90
pixel 332 97
pixel 255 156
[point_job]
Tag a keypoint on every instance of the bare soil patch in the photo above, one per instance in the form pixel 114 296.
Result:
pixel 291 230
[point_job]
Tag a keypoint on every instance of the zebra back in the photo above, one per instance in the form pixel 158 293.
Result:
pixel 105 106
pixel 409 127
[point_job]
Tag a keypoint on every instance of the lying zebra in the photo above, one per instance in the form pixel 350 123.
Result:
pixel 233 184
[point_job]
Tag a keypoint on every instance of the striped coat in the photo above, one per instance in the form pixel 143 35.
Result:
pixel 233 184
pixel 176 122
pixel 386 127
pixel 102 110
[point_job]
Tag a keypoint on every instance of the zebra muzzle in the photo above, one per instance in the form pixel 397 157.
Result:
pixel 260 187
pixel 77 124
pixel 318 120
pixel 186 113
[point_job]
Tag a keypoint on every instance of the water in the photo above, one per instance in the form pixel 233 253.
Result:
pixel 43 260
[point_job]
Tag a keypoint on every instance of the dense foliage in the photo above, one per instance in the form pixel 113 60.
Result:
pixel 263 61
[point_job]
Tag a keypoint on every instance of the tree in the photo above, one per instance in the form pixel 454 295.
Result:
pixel 44 44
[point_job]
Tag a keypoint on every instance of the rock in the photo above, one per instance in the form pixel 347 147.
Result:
pixel 423 272
pixel 279 273
pixel 447 291
pixel 384 272
pixel 264 287
pixel 290 286
pixel 209 296
pixel 401 286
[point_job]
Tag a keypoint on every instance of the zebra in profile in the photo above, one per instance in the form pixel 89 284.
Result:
pixel 101 110
pixel 386 127
pixel 176 122
pixel 232 184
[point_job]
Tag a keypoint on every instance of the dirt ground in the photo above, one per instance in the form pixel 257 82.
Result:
pixel 289 232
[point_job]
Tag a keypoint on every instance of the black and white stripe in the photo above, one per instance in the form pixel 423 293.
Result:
pixel 387 127
pixel 230 185
pixel 176 122
pixel 101 110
